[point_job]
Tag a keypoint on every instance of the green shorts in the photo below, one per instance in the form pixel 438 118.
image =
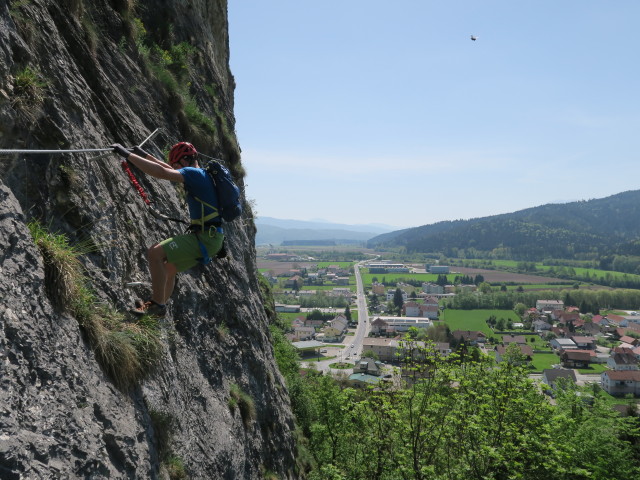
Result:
pixel 184 250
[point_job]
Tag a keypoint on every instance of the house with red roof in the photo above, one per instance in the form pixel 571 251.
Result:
pixel 621 382
pixel 411 309
pixel 525 350
pixel 519 339
pixel 576 358
pixel 568 317
pixel 552 376
pixel 469 336
pixel 590 328
pixel 616 321
pixel 379 326
pixel 623 361
pixel 629 340
pixel 584 343
pixel 560 332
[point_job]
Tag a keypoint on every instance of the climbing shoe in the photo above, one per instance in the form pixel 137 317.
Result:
pixel 150 308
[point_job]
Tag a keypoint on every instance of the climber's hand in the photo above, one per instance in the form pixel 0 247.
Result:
pixel 120 150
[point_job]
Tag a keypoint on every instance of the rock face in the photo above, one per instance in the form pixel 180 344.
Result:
pixel 84 74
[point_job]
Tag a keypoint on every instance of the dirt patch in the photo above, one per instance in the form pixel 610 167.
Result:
pixel 497 276
pixel 282 267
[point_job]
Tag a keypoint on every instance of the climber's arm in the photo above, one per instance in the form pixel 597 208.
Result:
pixel 151 166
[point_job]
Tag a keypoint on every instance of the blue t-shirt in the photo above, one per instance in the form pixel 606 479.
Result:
pixel 198 184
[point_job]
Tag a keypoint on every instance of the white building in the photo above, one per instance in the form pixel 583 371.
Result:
pixel 432 288
pixel 392 292
pixel 562 344
pixel 304 333
pixel 402 324
pixel 549 305
pixel 623 361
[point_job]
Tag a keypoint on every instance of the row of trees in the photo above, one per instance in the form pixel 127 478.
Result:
pixel 441 280
pixel 320 300
pixel 500 324
pixel 456 419
pixel 589 300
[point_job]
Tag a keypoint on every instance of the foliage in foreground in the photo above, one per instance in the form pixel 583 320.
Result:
pixel 460 419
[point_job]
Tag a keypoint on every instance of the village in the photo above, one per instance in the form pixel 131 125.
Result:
pixel 579 342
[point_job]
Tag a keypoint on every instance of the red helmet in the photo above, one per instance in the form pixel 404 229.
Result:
pixel 181 150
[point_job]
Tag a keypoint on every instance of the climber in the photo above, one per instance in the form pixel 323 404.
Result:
pixel 179 252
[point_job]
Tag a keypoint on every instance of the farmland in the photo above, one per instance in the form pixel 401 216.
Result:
pixel 501 276
pixel 495 277
pixel 540 269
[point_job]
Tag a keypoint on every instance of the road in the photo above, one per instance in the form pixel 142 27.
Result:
pixel 363 313
pixel 362 330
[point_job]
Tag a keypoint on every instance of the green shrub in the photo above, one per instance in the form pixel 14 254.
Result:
pixel 126 352
pixel 28 87
pixel 196 117
pixel 162 424
pixel 15 8
pixel 175 468
pixel 222 331
pixel 172 68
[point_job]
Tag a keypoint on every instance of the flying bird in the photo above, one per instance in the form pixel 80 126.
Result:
pixel 474 38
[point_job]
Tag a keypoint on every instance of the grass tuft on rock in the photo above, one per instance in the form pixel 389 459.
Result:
pixel 243 401
pixel 126 352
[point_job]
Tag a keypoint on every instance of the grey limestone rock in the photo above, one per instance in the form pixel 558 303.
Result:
pixel 60 415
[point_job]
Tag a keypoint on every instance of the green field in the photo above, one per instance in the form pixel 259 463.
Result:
pixel 544 361
pixel 475 319
pixel 345 265
pixel 593 273
pixel 290 316
pixel 594 368
pixel 538 344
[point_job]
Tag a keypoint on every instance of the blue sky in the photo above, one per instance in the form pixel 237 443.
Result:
pixel 367 111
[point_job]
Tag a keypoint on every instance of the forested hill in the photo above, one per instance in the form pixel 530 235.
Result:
pixel 581 229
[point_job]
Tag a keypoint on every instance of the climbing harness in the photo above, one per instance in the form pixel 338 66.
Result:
pixel 212 230
pixel 205 219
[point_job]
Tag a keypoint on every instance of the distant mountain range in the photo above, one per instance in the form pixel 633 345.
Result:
pixel 578 230
pixel 275 231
